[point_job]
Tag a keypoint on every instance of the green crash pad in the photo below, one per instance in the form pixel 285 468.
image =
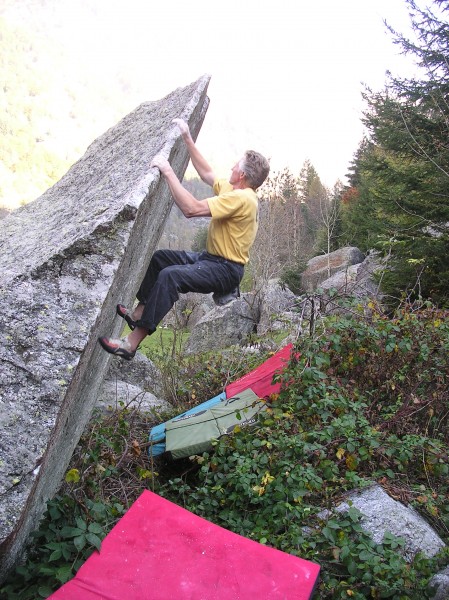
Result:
pixel 193 433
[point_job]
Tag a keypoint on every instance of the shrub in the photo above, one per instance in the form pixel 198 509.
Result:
pixel 291 277
pixel 358 405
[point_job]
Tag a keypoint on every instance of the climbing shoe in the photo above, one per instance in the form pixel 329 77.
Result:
pixel 123 312
pixel 117 347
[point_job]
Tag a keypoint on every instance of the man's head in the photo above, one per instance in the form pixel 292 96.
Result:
pixel 255 167
pixel 251 171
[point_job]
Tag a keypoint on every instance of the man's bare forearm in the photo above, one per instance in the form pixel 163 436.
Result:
pixel 188 204
pixel 200 164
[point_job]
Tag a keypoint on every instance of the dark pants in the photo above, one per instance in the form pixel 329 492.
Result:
pixel 174 272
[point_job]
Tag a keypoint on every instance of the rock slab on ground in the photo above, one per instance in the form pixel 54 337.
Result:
pixel 382 514
pixel 225 326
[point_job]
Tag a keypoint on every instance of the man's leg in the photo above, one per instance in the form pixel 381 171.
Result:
pixel 160 260
pixel 158 294
pixel 203 276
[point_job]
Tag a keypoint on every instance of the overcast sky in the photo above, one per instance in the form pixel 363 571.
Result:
pixel 286 75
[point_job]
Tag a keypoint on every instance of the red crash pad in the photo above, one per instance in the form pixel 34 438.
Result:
pixel 260 380
pixel 160 551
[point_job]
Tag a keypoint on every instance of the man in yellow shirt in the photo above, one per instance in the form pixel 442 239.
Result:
pixel 232 230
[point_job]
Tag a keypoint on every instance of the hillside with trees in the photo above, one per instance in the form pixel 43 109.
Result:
pixel 395 203
pixel 299 219
pixel 52 106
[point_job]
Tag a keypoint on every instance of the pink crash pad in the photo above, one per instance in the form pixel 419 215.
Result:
pixel 160 551
pixel 260 380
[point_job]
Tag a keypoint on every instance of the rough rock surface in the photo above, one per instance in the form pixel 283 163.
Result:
pixel 140 371
pixel 66 260
pixel 356 280
pixel 118 394
pixel 189 310
pixel 225 325
pixel 321 268
pixel 382 514
pixel 440 584
pixel 277 304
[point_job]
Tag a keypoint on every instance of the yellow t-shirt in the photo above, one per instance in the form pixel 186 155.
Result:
pixel 234 223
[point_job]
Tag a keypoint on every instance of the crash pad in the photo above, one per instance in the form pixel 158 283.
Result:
pixel 159 551
pixel 157 433
pixel 260 380
pixel 193 433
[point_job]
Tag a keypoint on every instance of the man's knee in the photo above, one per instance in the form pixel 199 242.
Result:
pixel 157 256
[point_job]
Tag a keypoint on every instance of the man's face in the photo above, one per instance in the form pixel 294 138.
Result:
pixel 236 173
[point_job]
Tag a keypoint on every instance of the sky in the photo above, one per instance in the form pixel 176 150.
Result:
pixel 286 76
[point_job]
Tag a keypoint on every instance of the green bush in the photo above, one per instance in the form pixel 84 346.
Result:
pixel 362 403
pixel 291 277
pixel 67 536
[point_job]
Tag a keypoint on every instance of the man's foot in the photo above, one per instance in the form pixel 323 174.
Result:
pixel 121 348
pixel 223 299
pixel 123 312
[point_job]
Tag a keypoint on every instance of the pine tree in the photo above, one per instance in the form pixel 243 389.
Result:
pixel 402 173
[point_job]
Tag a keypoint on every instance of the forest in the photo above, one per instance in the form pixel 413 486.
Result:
pixel 365 400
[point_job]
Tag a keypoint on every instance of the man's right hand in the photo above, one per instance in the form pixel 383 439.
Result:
pixel 161 163
pixel 183 128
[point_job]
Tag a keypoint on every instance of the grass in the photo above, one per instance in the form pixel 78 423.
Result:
pixel 163 340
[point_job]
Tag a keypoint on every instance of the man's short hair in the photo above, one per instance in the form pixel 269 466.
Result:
pixel 256 168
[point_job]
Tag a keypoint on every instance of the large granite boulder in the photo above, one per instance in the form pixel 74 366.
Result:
pixel 141 371
pixel 116 395
pixel 277 308
pixel 324 266
pixel 440 585
pixel 357 281
pixel 189 310
pixel 136 384
pixel 212 327
pixel 66 260
pixel 225 326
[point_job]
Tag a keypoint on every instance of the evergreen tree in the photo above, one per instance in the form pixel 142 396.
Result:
pixel 362 223
pixel 400 180
pixel 314 205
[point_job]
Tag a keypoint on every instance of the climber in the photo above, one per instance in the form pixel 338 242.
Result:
pixel 218 269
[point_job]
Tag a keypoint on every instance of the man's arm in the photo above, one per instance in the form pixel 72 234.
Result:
pixel 202 167
pixel 189 205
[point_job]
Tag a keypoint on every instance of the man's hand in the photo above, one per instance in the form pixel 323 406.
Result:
pixel 161 163
pixel 202 167
pixel 183 128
